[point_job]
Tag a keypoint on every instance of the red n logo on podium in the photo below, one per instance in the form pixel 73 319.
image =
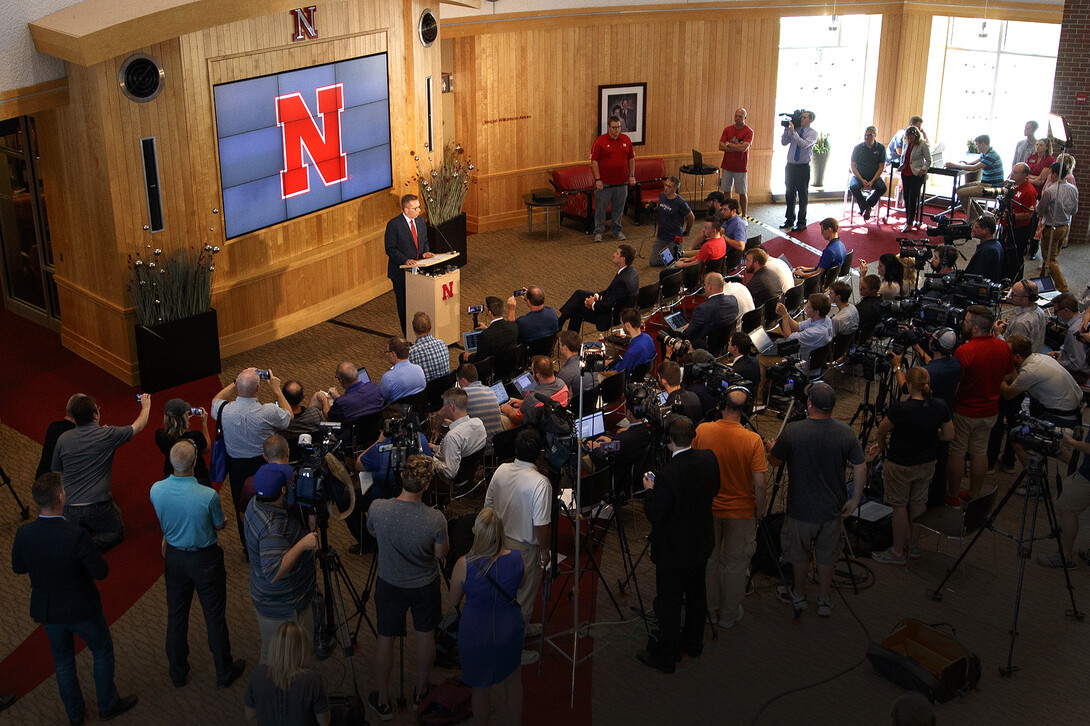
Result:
pixel 300 131
pixel 448 290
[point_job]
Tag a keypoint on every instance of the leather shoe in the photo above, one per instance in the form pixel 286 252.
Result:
pixel 122 705
pixel 237 669
pixel 787 225
pixel 646 658
pixel 799 227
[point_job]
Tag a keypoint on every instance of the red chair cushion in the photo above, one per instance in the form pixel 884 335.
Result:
pixel 573 178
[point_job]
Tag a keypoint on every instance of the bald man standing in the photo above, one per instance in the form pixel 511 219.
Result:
pixel 735 143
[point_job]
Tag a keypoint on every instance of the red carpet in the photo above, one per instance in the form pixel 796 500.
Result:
pixel 37 376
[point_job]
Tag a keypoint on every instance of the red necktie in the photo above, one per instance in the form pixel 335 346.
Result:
pixel 412 228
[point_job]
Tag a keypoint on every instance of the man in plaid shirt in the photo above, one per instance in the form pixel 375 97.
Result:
pixel 428 352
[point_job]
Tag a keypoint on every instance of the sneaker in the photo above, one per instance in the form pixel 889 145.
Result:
pixel 889 557
pixel 799 227
pixel 122 705
pixel 787 224
pixel 533 630
pixel 417 698
pixel 620 237
pixel 789 596
pixel 727 622
pixel 529 657
pixel 824 608
pixel 382 710
pixel 1028 491
pixel 1054 560
pixel 597 238
pixel 954 502
pixel 963 496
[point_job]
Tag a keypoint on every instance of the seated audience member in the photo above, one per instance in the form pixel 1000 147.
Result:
pixel 742 361
pixel 53 432
pixel 84 457
pixel 675 220
pixel 868 163
pixel 376 462
pixel 669 377
pixel 892 274
pixel 1072 356
pixel 715 316
pixel 987 261
pixel 284 690
pixel 712 249
pixel 992 174
pixel 734 224
pixel 733 287
pixel 541 320
pixel 465 436
pixel 598 307
pixel 359 398
pixel 782 270
pixel 1029 319
pixel 869 306
pixel 176 417
pixel 846 320
pixel 427 351
pixel 641 347
pixel 304 419
pixel 832 256
pixel 412 538
pixel 764 283
pixel 481 400
pixel 812 333
pixel 498 338
pixel 404 378
pixel 570 345
pixel 547 386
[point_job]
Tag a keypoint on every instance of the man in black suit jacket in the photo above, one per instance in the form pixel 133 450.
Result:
pixel 597 307
pixel 63 563
pixel 715 315
pixel 679 507
pixel 403 247
pixel 498 339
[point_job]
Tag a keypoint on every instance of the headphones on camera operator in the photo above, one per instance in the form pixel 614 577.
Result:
pixel 1031 292
pixel 747 407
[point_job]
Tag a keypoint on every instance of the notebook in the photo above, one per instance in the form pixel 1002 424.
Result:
pixel 764 344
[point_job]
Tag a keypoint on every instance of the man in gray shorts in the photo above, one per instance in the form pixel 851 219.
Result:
pixel 817 451
pixel 412 538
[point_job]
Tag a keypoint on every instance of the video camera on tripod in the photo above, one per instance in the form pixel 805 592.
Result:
pixel 917 249
pixel 1040 436
pixel 874 361
pixel 312 486
pixel 402 437
pixel 947 229
pixel 717 378
pixel 964 289
pixel 787 379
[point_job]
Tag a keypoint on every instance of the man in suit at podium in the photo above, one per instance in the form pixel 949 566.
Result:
pixel 406 242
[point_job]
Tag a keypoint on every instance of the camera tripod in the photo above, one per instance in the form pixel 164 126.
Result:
pixel 868 412
pixel 24 512
pixel 1036 477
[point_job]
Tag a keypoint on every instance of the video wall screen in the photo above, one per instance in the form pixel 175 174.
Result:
pixel 296 142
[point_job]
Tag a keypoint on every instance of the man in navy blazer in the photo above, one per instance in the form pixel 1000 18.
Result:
pixel 716 314
pixel 63 563
pixel 406 242
pixel 596 307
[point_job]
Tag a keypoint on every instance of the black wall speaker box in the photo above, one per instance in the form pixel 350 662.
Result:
pixel 151 184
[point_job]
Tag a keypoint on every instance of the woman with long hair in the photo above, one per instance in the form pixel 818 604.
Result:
pixel 914 428
pixel 284 692
pixel 915 161
pixel 491 631
pixel 892 272
pixel 176 419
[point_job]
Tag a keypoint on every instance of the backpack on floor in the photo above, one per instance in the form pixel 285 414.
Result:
pixel 450 702
pixel 922 658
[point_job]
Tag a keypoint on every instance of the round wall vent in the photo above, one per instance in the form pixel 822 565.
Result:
pixel 141 77
pixel 428 27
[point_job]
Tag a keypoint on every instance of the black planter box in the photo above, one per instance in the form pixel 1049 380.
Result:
pixel 178 352
pixel 450 236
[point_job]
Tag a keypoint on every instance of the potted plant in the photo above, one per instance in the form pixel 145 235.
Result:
pixel 819 158
pixel 177 337
pixel 442 191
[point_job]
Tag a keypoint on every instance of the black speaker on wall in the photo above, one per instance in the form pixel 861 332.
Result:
pixel 141 77
pixel 151 184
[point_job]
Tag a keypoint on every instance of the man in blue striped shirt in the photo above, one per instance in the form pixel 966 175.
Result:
pixel 990 167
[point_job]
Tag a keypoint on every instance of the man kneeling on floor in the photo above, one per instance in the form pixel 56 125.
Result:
pixel 817 450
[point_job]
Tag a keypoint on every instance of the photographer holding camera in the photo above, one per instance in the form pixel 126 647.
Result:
pixel 176 422
pixel 799 139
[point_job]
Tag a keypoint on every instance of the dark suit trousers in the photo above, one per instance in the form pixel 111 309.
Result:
pixel 238 471
pixel 398 281
pixel 673 586
pixel 202 571
pixel 798 186
pixel 575 312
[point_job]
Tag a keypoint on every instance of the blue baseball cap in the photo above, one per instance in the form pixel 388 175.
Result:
pixel 271 478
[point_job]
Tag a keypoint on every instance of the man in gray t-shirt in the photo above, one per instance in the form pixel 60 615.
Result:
pixel 412 538
pixel 817 451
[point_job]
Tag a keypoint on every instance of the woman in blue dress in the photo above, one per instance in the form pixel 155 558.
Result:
pixel 491 631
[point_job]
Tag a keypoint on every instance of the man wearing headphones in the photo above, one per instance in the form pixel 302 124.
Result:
pixel 634 436
pixel 987 261
pixel 737 506
pixel 1029 319
pixel 679 508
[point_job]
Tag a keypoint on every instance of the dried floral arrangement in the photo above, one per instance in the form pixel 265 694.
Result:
pixel 168 288
pixel 443 189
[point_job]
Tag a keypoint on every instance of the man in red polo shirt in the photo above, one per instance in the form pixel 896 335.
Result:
pixel 610 158
pixel 1023 202
pixel 735 143
pixel 985 362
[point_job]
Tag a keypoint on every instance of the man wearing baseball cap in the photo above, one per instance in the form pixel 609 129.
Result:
pixel 282 574
pixel 816 451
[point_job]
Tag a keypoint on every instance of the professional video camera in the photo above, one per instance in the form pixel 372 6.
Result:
pixel 918 249
pixel 1038 436
pixel 313 479
pixel 788 380
pixel 402 437
pixel 964 289
pixel 795 117
pixel 949 231
pixel 592 357
pixel 873 362
pixel 680 345
pixel 999 191
pixel 717 378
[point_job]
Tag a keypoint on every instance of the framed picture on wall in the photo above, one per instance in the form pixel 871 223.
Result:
pixel 628 102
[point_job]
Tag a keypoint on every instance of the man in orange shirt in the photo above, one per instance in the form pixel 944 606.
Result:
pixel 742 468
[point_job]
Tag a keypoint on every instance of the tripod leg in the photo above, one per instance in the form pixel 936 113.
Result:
pixel 1025 551
pixel 1054 528
pixel 24 512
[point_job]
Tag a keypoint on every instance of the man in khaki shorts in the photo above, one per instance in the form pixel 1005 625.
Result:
pixel 1073 501
pixel 985 362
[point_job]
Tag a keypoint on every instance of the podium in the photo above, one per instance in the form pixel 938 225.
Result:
pixel 436 294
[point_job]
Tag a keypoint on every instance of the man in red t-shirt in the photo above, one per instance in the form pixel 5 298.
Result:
pixel 985 362
pixel 1023 202
pixel 735 143
pixel 713 247
pixel 610 157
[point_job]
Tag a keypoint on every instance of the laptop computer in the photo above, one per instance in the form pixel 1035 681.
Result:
pixel 667 256
pixel 698 160
pixel 469 340
pixel 524 383
pixel 676 321
pixel 764 344
pixel 592 425
pixel 1046 290
pixel 501 392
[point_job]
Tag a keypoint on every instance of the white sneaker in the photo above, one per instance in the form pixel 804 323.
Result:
pixel 620 237
pixel 597 238
pixel 529 657
pixel 789 596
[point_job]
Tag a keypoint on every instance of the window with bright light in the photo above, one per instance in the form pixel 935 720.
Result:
pixel 828 65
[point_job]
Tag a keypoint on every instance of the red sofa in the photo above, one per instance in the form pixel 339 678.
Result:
pixel 577 182
pixel 650 173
